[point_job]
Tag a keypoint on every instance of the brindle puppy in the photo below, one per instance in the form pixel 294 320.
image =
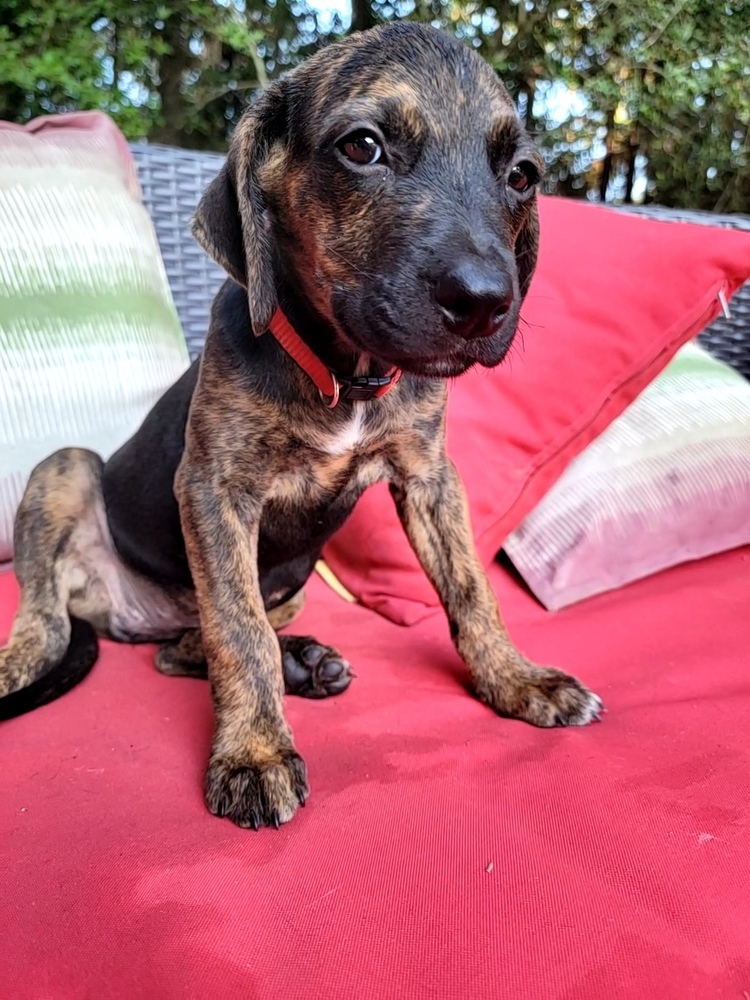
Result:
pixel 383 196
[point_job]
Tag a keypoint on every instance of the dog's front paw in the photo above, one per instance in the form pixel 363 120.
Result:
pixel 254 794
pixel 542 696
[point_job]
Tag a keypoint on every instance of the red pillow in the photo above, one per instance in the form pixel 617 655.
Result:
pixel 613 298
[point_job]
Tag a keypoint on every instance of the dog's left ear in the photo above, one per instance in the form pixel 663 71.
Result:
pixel 527 249
pixel 230 222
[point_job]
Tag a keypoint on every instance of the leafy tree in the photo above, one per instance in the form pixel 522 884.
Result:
pixel 179 73
pixel 648 99
pixel 667 84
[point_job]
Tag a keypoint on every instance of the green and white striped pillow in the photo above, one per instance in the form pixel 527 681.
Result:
pixel 89 335
pixel 666 482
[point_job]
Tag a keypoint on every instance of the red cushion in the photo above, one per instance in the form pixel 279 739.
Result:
pixel 613 298
pixel 620 852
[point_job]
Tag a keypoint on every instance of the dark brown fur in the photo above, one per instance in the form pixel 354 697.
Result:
pixel 201 531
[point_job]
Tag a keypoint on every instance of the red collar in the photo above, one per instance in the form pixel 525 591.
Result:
pixel 331 387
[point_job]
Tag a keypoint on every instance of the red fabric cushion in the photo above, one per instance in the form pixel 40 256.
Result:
pixel 620 852
pixel 613 298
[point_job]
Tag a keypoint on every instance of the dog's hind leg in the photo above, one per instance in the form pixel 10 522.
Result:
pixel 283 615
pixel 311 669
pixel 184 657
pixel 59 493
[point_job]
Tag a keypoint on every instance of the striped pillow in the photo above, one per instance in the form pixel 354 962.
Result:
pixel 666 482
pixel 89 335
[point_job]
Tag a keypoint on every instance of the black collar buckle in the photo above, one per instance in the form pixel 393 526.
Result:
pixel 361 388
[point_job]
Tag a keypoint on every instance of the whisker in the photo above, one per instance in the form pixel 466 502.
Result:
pixel 349 263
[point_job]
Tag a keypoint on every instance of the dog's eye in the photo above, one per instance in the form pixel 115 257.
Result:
pixel 361 148
pixel 523 176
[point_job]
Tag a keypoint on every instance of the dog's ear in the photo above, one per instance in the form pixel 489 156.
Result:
pixel 527 249
pixel 230 222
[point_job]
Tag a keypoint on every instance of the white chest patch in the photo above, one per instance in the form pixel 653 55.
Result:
pixel 351 435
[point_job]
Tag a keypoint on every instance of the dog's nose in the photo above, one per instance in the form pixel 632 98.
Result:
pixel 474 297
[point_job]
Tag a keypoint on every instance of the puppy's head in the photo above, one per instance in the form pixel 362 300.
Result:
pixel 389 183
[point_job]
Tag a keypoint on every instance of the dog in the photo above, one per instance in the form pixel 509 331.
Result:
pixel 376 216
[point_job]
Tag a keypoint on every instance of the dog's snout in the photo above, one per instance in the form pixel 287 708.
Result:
pixel 474 297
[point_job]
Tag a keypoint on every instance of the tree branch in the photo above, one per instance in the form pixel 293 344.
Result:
pixel 259 66
pixel 654 38
pixel 218 92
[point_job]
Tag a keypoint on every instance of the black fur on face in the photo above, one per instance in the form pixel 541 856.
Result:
pixel 387 184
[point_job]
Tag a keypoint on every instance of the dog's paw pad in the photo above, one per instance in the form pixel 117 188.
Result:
pixel 254 795
pixel 313 670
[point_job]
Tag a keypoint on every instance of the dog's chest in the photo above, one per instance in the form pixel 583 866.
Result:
pixel 350 437
pixel 330 468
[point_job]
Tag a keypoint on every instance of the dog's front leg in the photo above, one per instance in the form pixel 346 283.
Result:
pixel 255 776
pixel 433 509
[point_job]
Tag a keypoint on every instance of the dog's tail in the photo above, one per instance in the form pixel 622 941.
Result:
pixel 56 678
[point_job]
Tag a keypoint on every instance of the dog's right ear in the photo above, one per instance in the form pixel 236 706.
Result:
pixel 230 221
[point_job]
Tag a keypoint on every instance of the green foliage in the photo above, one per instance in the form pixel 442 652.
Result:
pixel 173 71
pixel 649 99
pixel 57 56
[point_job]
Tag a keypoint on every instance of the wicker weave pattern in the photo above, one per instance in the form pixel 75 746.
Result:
pixel 173 180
